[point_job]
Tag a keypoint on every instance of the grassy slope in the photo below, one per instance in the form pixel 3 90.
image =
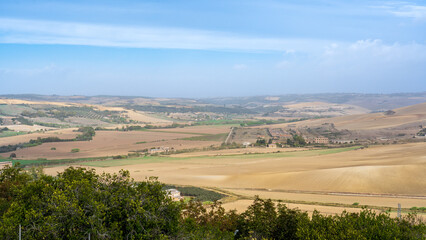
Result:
pixel 10 133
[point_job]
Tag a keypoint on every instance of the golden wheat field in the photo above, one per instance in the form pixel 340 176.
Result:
pixel 377 176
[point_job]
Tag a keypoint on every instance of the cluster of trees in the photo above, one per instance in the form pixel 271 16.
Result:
pixel 79 202
pixel 29 114
pixel 87 134
pixel 422 132
pixel 296 141
pixel 23 121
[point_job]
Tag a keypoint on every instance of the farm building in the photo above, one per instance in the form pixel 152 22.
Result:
pixel 159 150
pixel 321 140
pixel 174 194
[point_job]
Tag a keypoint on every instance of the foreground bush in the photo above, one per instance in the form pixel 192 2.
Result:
pixel 79 202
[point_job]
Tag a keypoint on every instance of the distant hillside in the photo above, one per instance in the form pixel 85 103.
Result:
pixel 372 102
pixel 400 118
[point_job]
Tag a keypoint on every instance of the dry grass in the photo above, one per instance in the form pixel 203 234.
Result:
pixel 331 198
pixel 386 170
pixel 241 206
pixel 238 151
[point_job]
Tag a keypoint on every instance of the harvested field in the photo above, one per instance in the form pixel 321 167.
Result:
pixel 241 206
pixel 384 170
pixel 238 151
pixel 106 143
pixel 333 197
pixel 325 109
pixel 211 129
pixel 139 116
pixel 27 128
pixel 415 115
pixel 18 101
pixel 61 133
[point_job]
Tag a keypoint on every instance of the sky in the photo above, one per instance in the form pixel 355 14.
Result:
pixel 218 48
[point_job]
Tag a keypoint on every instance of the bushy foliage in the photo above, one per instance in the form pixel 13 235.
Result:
pixel 79 202
pixel 23 121
pixel 296 141
pixel 87 134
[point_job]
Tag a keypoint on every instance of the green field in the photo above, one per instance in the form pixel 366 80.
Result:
pixel 45 162
pixel 200 194
pixel 10 133
pixel 212 137
pixel 13 110
pixel 191 133
pixel 108 162
pixel 160 159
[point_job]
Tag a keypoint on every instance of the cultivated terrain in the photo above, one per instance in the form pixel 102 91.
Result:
pixel 326 152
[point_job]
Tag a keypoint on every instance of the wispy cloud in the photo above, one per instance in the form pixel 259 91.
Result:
pixel 71 33
pixel 411 11
pixel 404 9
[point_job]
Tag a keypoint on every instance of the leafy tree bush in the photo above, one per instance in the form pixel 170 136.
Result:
pixel 79 202
pixel 87 134
pixel 260 142
pixel 296 141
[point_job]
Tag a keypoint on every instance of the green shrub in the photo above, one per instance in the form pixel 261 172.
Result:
pixel 75 150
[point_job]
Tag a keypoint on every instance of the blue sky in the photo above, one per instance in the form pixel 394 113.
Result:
pixel 211 48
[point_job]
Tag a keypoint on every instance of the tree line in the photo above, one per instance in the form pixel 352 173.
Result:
pixel 78 202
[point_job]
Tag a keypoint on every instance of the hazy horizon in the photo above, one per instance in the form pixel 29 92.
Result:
pixel 202 49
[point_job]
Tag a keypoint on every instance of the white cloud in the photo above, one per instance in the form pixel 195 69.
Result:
pixel 404 9
pixel 30 72
pixel 411 11
pixel 71 33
